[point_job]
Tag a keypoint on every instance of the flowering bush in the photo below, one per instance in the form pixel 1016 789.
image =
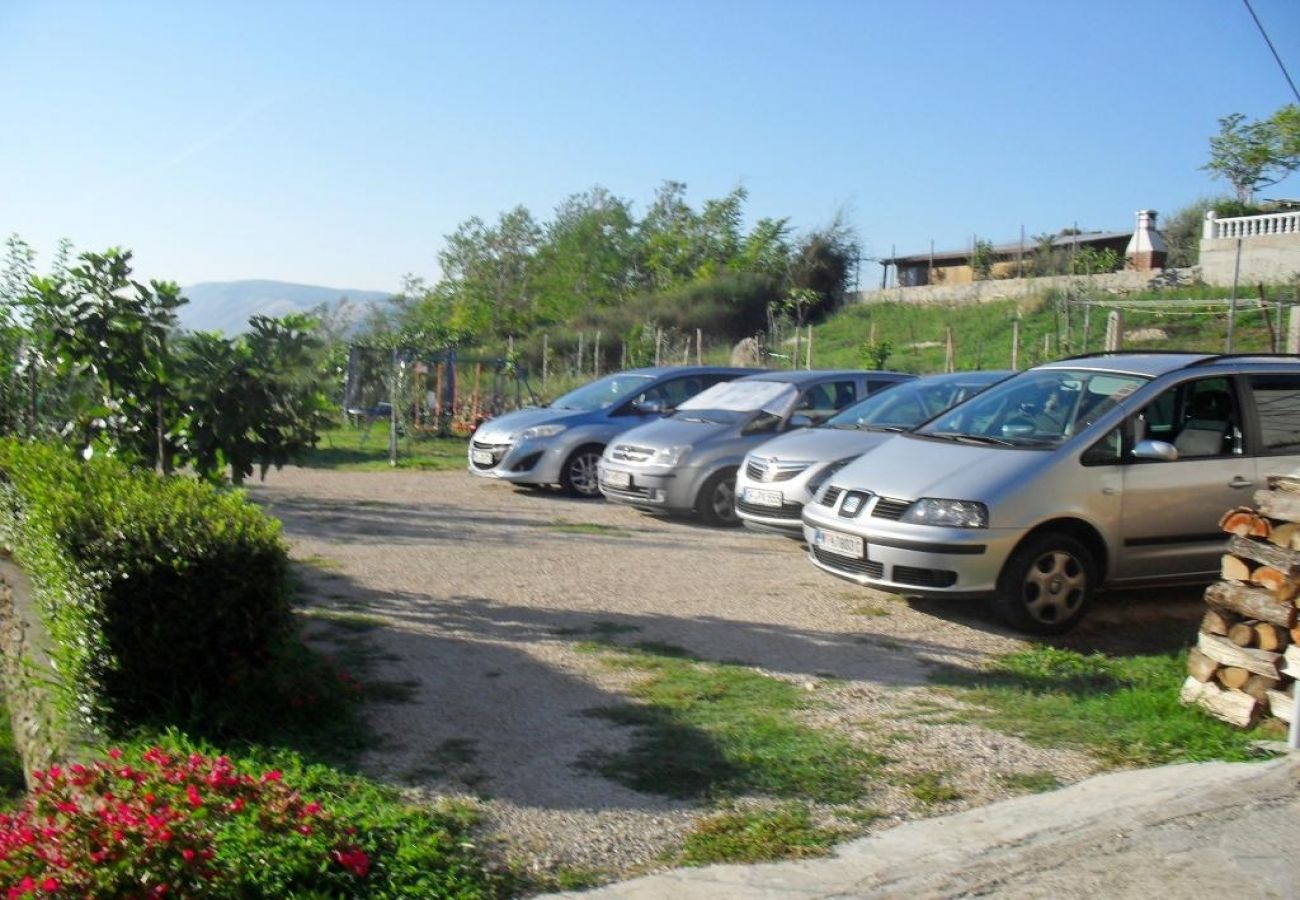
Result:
pixel 161 823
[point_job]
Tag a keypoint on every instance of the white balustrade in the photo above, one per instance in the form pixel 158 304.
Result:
pixel 1251 226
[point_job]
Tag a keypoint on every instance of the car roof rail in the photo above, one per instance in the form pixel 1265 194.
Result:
pixel 1134 352
pixel 1261 355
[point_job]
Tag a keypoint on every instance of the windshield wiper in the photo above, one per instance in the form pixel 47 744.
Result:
pixel 972 438
pixel 701 419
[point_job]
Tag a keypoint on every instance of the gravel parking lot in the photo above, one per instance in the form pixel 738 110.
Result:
pixel 483 595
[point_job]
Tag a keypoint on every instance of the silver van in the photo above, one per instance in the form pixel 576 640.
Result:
pixel 781 475
pixel 561 443
pixel 687 462
pixel 1101 470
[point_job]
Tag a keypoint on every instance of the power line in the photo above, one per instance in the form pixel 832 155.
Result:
pixel 1280 64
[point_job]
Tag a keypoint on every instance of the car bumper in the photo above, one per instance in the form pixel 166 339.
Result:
pixel 772 506
pixel 917 561
pixel 525 462
pixel 647 488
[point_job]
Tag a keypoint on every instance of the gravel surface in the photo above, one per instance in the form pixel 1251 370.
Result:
pixel 484 592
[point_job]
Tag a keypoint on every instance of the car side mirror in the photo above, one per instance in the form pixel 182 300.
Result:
pixel 1161 450
pixel 801 421
pixel 652 408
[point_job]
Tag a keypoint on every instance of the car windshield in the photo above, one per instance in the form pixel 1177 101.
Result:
pixel 910 403
pixel 603 392
pixel 1038 409
pixel 735 401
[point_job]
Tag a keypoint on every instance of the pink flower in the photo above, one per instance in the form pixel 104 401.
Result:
pixel 273 775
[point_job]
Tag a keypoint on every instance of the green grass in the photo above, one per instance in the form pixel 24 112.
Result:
pixel 1123 710
pixel 1030 782
pixel 931 787
pixel 360 450
pixel 753 836
pixel 711 730
pixel 344 619
pixel 12 785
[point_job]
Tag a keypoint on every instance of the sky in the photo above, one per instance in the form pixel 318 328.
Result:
pixel 337 143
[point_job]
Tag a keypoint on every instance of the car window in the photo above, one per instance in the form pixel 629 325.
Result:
pixel 1200 418
pixel 1277 400
pixel 822 400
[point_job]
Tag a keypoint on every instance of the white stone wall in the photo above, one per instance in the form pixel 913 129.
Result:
pixel 1007 288
pixel 1269 258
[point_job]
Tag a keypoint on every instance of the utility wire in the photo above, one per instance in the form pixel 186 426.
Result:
pixel 1280 64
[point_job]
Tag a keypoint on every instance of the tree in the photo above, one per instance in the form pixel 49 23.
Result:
pixel 488 273
pixel 587 259
pixel 1255 155
pixel 823 261
pixel 981 259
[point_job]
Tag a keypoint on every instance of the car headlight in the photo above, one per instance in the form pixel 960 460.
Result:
pixel 667 457
pixel 815 483
pixel 541 431
pixel 947 513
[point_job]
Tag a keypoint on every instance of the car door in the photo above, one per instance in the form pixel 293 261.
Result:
pixel 1170 509
pixel 1275 399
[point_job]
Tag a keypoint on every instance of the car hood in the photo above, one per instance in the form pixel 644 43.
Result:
pixel 503 429
pixel 673 431
pixel 910 468
pixel 821 444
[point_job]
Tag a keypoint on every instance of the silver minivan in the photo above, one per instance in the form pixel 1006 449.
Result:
pixel 687 463
pixel 1101 470
pixel 781 475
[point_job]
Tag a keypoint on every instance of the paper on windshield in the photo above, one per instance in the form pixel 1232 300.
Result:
pixel 776 397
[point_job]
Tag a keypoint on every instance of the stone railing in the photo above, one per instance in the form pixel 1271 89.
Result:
pixel 1250 226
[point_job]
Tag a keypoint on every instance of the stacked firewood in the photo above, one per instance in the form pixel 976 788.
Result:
pixel 1247 657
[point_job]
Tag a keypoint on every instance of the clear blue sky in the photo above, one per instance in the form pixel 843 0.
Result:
pixel 337 143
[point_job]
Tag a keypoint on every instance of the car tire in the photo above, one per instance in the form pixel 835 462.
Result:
pixel 1046 585
pixel 578 477
pixel 716 502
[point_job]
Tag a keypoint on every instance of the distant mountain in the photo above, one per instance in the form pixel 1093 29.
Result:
pixel 226 306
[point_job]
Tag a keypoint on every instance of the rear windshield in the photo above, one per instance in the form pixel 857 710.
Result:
pixel 1038 408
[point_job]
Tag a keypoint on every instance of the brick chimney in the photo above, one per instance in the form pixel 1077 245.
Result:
pixel 1146 249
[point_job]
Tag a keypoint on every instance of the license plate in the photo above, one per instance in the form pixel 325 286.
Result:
pixel 760 497
pixel 618 479
pixel 482 457
pixel 839 543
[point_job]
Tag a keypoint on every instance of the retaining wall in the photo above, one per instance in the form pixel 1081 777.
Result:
pixel 1009 288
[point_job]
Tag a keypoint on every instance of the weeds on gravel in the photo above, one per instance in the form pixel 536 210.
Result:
pixel 593 528
pixel 1030 782
pixel 787 832
pixel 1123 710
pixel 713 730
pixel 930 787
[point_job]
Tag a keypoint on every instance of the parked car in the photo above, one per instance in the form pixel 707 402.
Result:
pixel 1101 470
pixel 561 443
pixel 781 475
pixel 687 462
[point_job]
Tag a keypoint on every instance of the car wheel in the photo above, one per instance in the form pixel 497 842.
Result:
pixel 716 503
pixel 1046 585
pixel 578 477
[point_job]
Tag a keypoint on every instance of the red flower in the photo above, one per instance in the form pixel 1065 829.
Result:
pixel 196 799
pixel 50 885
pixel 354 860
pixel 273 775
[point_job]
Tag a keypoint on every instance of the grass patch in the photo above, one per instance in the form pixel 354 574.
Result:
pixel 344 619
pixel 931 788
pixel 711 730
pixel 787 832
pixel 317 561
pixel 871 610
pixel 1124 711
pixel 365 449
pixel 595 528
pixel 12 785
pixel 1030 782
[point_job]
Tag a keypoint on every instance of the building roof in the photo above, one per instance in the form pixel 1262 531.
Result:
pixel 1060 240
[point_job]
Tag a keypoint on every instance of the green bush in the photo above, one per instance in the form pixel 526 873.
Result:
pixel 166 599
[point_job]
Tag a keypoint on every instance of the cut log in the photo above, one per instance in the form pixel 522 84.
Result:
pixel 1233 707
pixel 1287 483
pixel 1278 505
pixel 1244 521
pixel 1200 666
pixel 1273 581
pixel 1290 665
pixel 1270 554
pixel 1234 568
pixel 1251 602
pixel 1295 635
pixel 1281 705
pixel 1232 677
pixel 1258 686
pixel 1224 652
pixel 1271 637
pixel 1242 634
pixel 1218 621
pixel 1286 535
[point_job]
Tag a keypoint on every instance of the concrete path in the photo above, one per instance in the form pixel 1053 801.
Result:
pixel 1203 830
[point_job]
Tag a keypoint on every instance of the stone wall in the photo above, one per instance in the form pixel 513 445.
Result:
pixel 1271 258
pixel 1008 288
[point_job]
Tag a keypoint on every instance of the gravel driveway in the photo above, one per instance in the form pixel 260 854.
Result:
pixel 485 593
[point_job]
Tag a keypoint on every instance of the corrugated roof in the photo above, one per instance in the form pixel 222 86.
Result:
pixel 1013 248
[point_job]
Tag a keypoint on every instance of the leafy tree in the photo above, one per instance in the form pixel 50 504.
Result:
pixel 823 261
pixel 488 273
pixel 587 259
pixel 666 238
pixel 874 354
pixel 981 259
pixel 1255 155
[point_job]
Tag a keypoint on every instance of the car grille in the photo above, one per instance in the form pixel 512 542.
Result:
pixel 856 565
pixel 786 510
pixel 630 453
pixel 497 450
pixel 831 496
pixel 887 508
pixel 770 469
pixel 934 578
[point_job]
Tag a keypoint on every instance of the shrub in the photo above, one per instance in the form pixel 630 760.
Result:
pixel 163 597
pixel 175 820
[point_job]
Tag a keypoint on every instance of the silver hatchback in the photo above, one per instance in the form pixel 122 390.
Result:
pixel 1105 470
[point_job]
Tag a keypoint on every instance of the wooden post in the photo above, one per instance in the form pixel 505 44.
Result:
pixel 949 359
pixel 1232 302
pixel 1293 331
pixel 1015 344
pixel 1115 331
pixel 1087 324
pixel 581 337
pixel 545 356
pixel 393 403
pixel 1047 347
pixel 622 354
pixel 808 359
pixel 659 344
pixel 699 346
pixel 794 357
pixel 595 356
